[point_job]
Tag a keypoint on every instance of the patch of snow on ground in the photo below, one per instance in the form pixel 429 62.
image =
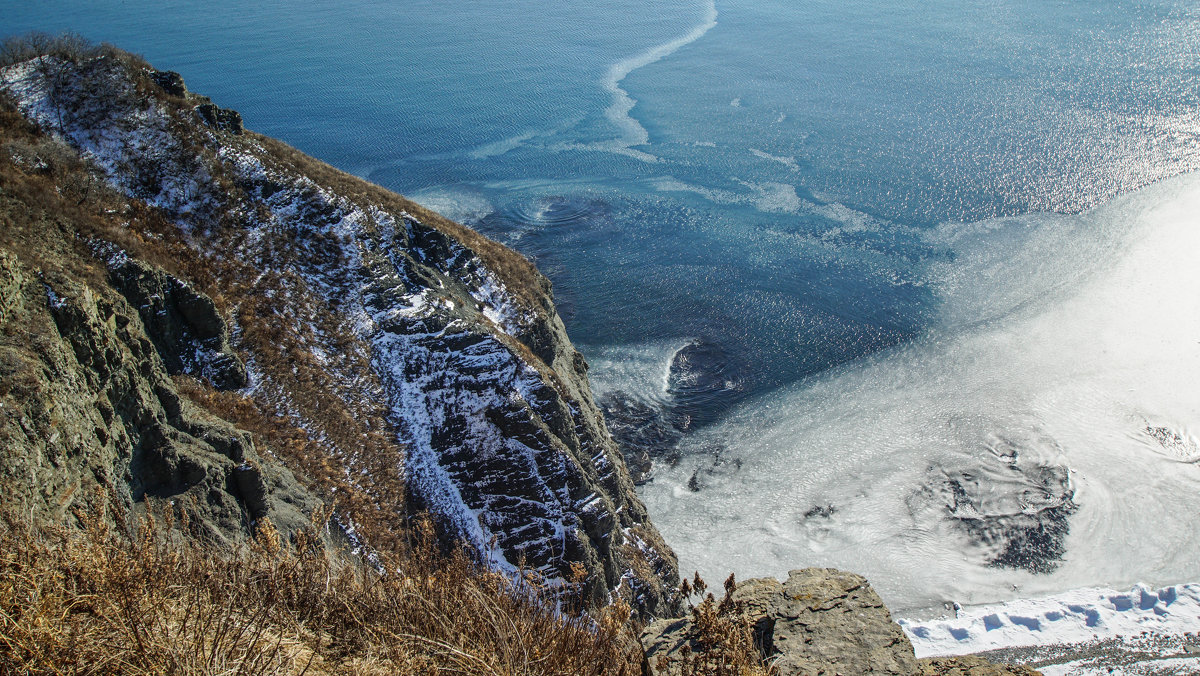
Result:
pixel 1075 616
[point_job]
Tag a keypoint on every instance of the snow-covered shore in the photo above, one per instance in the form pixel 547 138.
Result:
pixel 1143 630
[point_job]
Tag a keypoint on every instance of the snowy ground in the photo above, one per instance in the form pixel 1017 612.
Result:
pixel 1076 633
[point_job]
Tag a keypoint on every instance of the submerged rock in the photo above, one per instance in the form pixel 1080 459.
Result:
pixel 643 432
pixel 703 382
pixel 1016 519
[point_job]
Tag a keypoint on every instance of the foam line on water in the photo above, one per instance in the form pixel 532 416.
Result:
pixel 640 370
pixel 773 197
pixel 461 204
pixel 497 148
pixel 632 131
pixel 788 161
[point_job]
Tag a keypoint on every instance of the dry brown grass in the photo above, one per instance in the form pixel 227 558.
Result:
pixel 358 495
pixel 96 601
pixel 721 640
pixel 58 204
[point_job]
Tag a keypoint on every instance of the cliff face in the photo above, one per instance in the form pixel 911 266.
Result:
pixel 88 407
pixel 407 348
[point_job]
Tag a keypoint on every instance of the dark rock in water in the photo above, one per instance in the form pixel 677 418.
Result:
pixel 718 464
pixel 647 436
pixel 221 119
pixel 1036 545
pixel 1174 443
pixel 1020 520
pixel 704 381
pixel 642 431
pixel 824 512
pixel 170 82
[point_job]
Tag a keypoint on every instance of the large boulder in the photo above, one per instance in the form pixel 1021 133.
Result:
pixel 819 622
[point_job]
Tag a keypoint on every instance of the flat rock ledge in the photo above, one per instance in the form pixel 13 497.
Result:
pixel 820 622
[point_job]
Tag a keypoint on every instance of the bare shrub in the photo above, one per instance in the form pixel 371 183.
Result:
pixel 68 46
pixel 721 642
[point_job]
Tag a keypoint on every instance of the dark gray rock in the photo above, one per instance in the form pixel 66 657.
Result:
pixel 221 119
pixel 170 82
pixel 183 323
pixel 88 409
pixel 520 455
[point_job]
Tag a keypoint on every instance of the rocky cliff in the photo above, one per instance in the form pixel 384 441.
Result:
pixel 89 407
pixel 425 366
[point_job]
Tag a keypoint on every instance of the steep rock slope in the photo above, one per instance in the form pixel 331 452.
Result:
pixel 88 410
pixel 406 346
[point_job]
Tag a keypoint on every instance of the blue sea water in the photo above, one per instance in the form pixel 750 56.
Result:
pixel 872 222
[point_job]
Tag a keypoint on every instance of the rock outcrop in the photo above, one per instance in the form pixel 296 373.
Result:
pixel 222 119
pixel 819 622
pixel 183 323
pixel 88 408
pixel 170 82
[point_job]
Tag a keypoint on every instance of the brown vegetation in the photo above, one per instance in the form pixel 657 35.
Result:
pixel 98 602
pixel 723 640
